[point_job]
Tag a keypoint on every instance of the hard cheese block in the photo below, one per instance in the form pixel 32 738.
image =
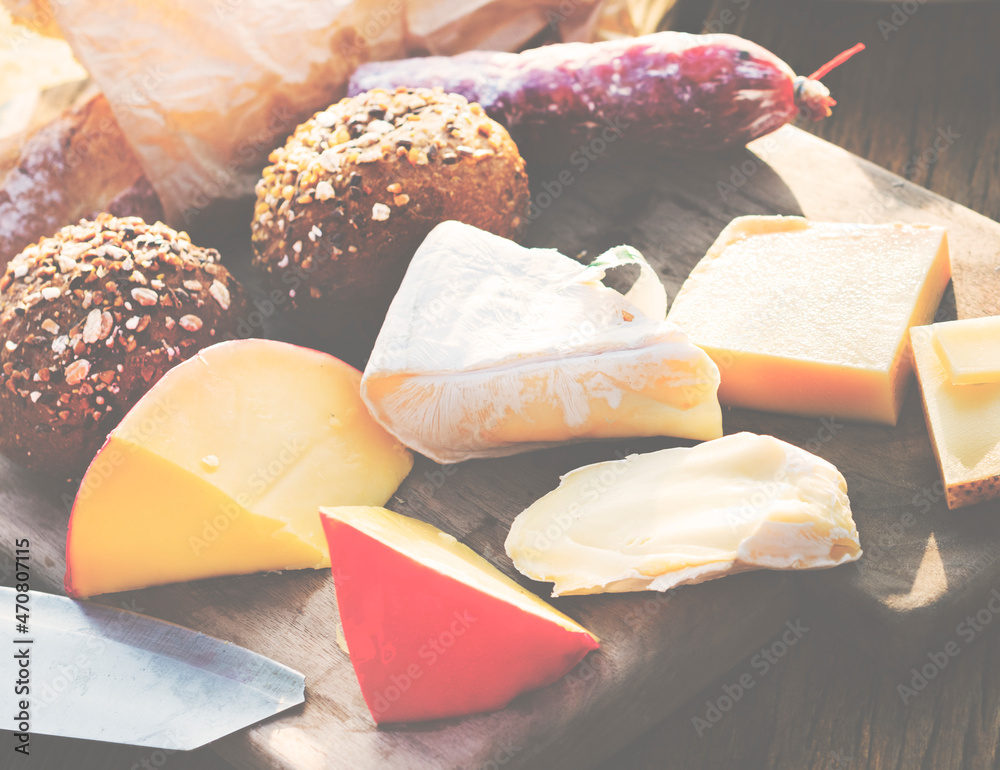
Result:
pixel 432 628
pixel 964 424
pixel 685 515
pixel 490 349
pixel 969 349
pixel 811 318
pixel 221 467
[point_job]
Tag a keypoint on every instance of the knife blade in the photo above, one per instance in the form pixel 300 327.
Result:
pixel 107 674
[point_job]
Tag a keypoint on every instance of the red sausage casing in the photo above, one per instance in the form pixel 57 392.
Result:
pixel 677 90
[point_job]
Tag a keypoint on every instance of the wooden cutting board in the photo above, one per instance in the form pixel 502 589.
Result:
pixel 924 569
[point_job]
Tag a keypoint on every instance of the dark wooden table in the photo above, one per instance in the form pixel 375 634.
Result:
pixel 923 101
pixel 930 71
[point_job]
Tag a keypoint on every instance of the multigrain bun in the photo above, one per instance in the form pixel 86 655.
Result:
pixel 357 187
pixel 90 319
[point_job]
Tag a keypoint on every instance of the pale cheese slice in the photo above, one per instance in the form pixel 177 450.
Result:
pixel 490 348
pixel 686 515
pixel 964 424
pixel 970 349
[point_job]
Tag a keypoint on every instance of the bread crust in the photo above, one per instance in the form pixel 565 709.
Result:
pixel 90 319
pixel 352 194
pixel 71 168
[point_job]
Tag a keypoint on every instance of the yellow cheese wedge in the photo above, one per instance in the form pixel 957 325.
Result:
pixel 970 349
pixel 811 318
pixel 964 424
pixel 220 470
pixel 490 348
pixel 686 515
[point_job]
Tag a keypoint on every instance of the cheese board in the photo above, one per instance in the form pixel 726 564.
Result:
pixel 924 569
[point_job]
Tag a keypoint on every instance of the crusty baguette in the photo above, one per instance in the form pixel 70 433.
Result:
pixel 71 168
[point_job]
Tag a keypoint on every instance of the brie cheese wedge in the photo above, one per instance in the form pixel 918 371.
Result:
pixel 686 515
pixel 490 349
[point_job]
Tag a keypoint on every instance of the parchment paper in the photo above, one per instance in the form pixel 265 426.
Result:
pixel 205 89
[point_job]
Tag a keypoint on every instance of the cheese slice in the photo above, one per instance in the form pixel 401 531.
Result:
pixel 221 467
pixel 963 421
pixel 686 515
pixel 420 608
pixel 811 318
pixel 969 349
pixel 490 348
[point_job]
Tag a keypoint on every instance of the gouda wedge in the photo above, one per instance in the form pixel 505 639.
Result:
pixel 220 469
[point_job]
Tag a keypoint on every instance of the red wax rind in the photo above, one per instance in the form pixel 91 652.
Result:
pixel 427 646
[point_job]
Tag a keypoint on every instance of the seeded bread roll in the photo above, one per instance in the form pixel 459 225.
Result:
pixel 90 319
pixel 357 187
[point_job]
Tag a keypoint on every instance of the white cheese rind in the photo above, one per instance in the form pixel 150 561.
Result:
pixel 686 515
pixel 490 349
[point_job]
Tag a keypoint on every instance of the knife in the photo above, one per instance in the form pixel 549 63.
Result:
pixel 108 674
